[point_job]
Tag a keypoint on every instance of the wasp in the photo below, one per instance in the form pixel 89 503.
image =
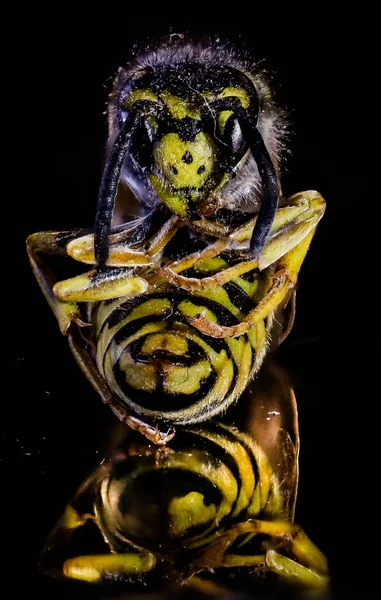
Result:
pixel 193 283
pixel 219 498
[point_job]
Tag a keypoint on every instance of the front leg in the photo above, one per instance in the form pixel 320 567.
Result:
pixel 285 254
pixel 118 277
pixel 83 288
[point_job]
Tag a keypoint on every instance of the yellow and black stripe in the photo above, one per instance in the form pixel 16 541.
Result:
pixel 165 369
pixel 210 478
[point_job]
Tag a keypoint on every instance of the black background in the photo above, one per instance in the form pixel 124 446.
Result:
pixel 53 422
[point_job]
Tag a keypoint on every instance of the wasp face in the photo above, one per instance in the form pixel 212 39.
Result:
pixel 187 141
pixel 187 123
pixel 186 164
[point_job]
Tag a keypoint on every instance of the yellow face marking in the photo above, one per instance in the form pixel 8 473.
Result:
pixel 228 93
pixel 185 164
pixel 179 108
pixel 236 93
pixel 139 95
pixel 177 204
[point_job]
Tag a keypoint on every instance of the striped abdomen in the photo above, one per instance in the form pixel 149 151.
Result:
pixel 209 479
pixel 162 367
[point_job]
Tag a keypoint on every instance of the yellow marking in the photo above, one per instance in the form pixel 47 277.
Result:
pixel 186 380
pixel 221 386
pixel 178 107
pixel 153 306
pixel 169 153
pixel 188 511
pixel 175 203
pixel 220 295
pixel 243 357
pixel 214 471
pixel 212 264
pixel 223 117
pixel 139 376
pixel 266 480
pixel 236 93
pixel 189 309
pixel 113 352
pixel 166 341
pixel 243 461
pixel 250 288
pixel 71 519
pixel 139 95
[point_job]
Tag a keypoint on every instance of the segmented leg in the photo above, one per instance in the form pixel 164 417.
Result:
pixel 286 251
pixel 107 283
pixel 312 567
pixel 95 568
pixel 120 253
pixel 291 225
pixel 91 568
pixel 91 371
pixel 69 317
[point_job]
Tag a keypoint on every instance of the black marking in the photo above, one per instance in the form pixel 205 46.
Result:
pixel 183 243
pixel 230 217
pixel 238 297
pixel 188 79
pixel 194 354
pixel 201 169
pixel 187 158
pixel 173 170
pixel 225 317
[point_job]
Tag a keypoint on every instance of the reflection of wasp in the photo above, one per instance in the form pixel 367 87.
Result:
pixel 186 295
pixel 216 497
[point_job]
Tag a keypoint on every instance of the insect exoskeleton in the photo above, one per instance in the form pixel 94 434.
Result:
pixel 194 280
pixel 191 120
pixel 165 369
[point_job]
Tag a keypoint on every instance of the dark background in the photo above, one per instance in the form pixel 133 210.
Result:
pixel 53 422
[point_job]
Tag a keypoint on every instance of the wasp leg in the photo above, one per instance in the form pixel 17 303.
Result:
pixel 95 568
pixel 51 243
pixel 112 282
pixel 170 272
pixel 286 252
pixel 292 223
pixel 120 252
pixel 307 564
pixel 89 368
pixel 100 285
pixel 91 568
